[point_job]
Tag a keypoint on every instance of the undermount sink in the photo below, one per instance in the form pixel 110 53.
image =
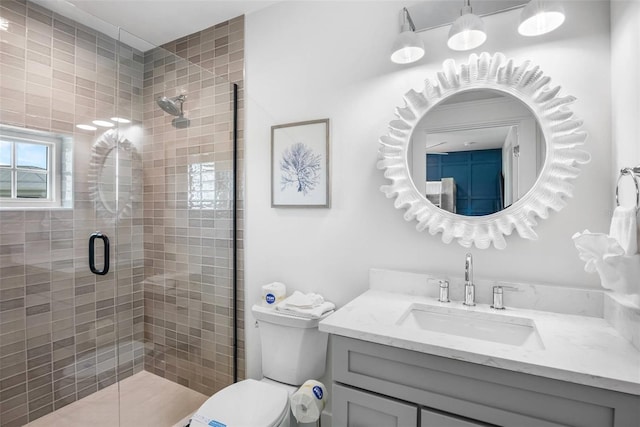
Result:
pixel 498 328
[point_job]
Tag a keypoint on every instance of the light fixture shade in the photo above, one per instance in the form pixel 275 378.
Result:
pixel 466 32
pixel 540 17
pixel 407 48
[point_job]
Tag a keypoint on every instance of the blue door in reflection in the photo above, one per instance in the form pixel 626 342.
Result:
pixel 478 178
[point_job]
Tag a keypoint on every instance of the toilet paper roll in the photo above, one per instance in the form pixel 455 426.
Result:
pixel 308 402
pixel 273 293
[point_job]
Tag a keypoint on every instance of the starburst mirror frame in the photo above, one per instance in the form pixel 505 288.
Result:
pixel 129 183
pixel 562 132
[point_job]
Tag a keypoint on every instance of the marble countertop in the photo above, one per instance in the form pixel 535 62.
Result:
pixel 580 349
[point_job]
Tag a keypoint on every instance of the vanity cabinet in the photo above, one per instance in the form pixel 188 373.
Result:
pixel 378 385
pixel 364 409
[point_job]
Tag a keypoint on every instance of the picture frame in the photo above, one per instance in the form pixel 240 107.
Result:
pixel 300 175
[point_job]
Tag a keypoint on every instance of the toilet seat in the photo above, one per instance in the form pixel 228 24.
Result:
pixel 248 403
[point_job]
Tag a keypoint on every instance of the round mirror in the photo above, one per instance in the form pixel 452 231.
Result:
pixel 477 152
pixel 483 150
pixel 115 175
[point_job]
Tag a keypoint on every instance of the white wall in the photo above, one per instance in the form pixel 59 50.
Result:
pixel 625 108
pixel 311 60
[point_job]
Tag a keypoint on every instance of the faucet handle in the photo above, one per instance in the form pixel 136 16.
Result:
pixel 444 291
pixel 498 301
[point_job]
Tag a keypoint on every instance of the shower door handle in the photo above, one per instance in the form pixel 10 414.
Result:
pixel 92 253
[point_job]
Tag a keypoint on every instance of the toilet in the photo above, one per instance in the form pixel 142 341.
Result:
pixel 293 351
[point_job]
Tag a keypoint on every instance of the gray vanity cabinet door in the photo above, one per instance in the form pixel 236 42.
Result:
pixel 437 419
pixel 355 408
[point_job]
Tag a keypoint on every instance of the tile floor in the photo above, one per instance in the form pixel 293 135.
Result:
pixel 146 401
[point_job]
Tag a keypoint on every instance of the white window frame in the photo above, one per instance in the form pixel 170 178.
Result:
pixel 54 143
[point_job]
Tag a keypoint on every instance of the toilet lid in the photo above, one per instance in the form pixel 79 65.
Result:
pixel 248 403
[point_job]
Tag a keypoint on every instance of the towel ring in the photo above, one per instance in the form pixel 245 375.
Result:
pixel 632 173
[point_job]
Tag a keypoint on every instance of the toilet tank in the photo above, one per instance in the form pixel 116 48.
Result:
pixel 293 349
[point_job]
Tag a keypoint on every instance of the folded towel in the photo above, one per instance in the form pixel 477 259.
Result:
pixel 300 300
pixel 307 313
pixel 624 229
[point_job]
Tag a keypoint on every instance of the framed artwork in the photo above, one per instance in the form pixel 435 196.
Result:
pixel 300 165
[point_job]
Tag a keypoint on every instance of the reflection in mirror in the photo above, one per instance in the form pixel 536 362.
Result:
pixel 202 182
pixel 107 182
pixel 210 183
pixel 477 152
pixel 115 175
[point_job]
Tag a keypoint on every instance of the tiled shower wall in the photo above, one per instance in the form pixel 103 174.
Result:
pixel 60 325
pixel 188 194
pixel 58 321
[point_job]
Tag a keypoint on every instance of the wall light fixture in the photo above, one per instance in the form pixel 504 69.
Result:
pixel 467 32
pixel 540 17
pixel 408 46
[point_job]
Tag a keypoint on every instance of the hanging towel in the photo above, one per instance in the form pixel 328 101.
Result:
pixel 624 229
pixel 604 255
pixel 595 249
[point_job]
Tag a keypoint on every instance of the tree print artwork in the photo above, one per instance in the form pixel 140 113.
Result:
pixel 300 167
pixel 300 164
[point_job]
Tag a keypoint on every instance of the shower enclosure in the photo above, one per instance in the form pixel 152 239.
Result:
pixel 119 249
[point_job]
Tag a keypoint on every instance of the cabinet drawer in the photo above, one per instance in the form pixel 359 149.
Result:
pixel 478 392
pixel 437 419
pixel 356 408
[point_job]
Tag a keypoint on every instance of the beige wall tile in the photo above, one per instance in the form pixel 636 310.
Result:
pixel 62 74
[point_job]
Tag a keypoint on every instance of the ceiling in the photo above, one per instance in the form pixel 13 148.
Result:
pixel 466 140
pixel 478 138
pixel 151 23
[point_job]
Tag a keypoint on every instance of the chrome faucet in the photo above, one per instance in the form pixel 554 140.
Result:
pixel 469 288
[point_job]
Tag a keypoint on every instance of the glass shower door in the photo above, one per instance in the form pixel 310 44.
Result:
pixel 158 185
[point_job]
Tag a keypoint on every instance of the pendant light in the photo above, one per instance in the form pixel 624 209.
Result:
pixel 408 46
pixel 467 32
pixel 540 17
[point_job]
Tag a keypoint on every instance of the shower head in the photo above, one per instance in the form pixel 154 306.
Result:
pixel 181 122
pixel 173 105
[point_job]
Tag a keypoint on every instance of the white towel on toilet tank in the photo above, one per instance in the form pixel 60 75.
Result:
pixel 309 305
pixel 624 229
pixel 298 299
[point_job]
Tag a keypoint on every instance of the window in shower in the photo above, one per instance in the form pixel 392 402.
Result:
pixel 35 169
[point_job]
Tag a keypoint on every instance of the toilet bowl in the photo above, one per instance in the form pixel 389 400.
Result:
pixel 293 351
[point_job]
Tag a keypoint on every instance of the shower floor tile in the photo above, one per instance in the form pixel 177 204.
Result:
pixel 147 400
